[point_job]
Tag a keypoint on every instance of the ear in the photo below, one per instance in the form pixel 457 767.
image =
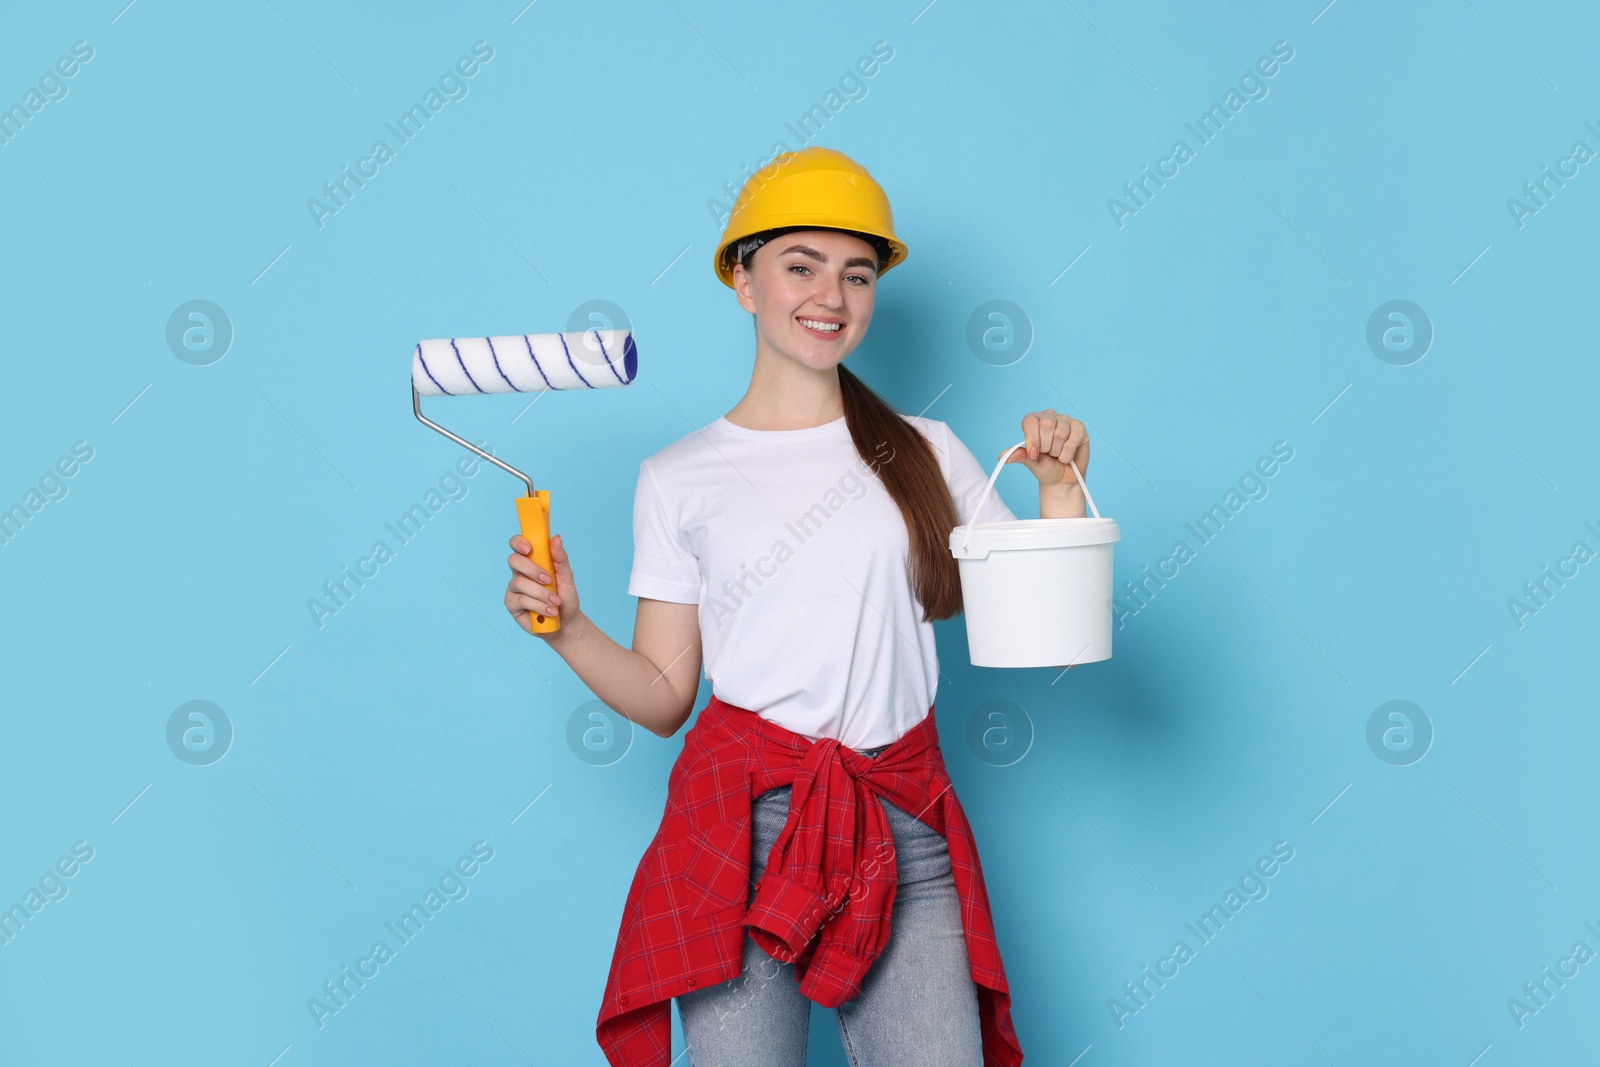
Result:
pixel 741 288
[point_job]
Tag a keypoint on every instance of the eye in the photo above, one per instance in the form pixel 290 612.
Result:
pixel 800 266
pixel 864 279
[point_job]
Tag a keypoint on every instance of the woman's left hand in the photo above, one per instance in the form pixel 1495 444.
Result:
pixel 1053 439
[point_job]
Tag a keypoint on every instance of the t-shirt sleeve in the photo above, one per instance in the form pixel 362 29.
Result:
pixel 663 569
pixel 967 480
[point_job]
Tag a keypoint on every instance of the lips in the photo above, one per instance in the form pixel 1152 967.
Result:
pixel 806 322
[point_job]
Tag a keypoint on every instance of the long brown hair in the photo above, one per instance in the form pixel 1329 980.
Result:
pixel 912 477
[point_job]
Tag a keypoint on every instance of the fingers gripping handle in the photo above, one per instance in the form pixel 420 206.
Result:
pixel 533 513
pixel 998 467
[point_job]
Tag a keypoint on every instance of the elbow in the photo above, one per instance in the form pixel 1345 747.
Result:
pixel 672 724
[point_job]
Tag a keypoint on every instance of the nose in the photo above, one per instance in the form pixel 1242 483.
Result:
pixel 830 294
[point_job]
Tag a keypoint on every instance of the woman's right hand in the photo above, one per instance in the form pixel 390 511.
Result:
pixel 530 589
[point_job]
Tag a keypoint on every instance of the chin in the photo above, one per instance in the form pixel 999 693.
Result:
pixel 826 361
pixel 818 360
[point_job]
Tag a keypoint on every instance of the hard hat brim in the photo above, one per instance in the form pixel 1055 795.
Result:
pixel 725 261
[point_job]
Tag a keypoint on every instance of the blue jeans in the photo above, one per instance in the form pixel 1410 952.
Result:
pixel 917 1006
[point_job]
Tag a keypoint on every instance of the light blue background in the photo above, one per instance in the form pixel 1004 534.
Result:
pixel 1225 316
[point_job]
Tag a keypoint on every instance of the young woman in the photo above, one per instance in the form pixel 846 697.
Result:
pixel 812 849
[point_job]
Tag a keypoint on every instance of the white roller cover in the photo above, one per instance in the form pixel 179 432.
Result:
pixel 530 363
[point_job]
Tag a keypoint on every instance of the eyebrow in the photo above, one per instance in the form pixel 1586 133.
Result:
pixel 807 250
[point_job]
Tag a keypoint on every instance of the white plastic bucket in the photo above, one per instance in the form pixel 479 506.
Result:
pixel 1037 592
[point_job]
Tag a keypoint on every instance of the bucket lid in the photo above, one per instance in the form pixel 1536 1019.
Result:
pixel 982 538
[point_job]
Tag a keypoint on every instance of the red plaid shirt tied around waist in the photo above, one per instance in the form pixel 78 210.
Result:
pixel 824 901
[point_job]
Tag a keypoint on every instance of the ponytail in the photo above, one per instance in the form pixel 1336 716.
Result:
pixel 912 477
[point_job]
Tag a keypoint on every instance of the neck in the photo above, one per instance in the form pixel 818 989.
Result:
pixel 785 394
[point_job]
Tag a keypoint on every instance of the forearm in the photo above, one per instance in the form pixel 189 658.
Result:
pixel 1061 501
pixel 625 680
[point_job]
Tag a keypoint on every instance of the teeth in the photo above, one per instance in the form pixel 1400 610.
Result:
pixel 829 327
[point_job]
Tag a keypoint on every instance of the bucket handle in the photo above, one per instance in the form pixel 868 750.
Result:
pixel 998 467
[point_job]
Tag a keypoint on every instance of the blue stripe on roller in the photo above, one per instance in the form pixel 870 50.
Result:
pixel 602 342
pixel 463 363
pixel 495 356
pixel 535 359
pixel 630 358
pixel 429 373
pixel 571 364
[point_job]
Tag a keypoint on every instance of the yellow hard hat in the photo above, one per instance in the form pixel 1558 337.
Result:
pixel 815 188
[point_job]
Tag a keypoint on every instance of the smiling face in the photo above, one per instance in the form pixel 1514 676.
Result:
pixel 812 293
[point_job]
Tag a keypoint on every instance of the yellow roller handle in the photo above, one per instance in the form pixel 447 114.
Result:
pixel 533 512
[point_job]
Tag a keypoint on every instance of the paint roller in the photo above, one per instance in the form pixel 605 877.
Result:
pixel 531 363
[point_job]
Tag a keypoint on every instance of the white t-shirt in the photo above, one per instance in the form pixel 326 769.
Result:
pixel 797 557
